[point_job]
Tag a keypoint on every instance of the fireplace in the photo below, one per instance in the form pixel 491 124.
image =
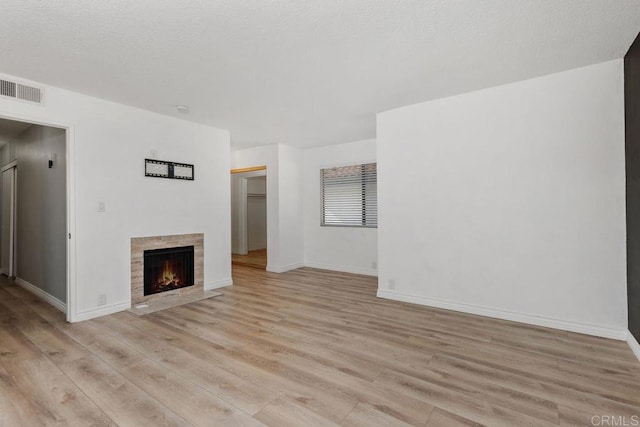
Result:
pixel 142 249
pixel 167 269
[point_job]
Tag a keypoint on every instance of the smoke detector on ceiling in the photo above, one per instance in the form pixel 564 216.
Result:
pixel 184 109
pixel 16 90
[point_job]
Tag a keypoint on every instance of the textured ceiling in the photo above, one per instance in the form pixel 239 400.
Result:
pixel 9 129
pixel 302 72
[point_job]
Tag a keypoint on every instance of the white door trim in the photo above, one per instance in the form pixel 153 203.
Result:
pixel 72 290
pixel 8 166
pixel 11 170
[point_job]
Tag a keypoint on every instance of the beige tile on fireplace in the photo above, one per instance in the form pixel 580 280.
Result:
pixel 141 244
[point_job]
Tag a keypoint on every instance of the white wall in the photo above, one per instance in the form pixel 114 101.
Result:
pixel 241 184
pixel 347 249
pixel 510 201
pixel 294 235
pixel 257 185
pixel 238 232
pixel 290 204
pixel 257 213
pixel 41 236
pixel 284 202
pixel 7 153
pixel 111 141
pixel 266 155
pixel 256 222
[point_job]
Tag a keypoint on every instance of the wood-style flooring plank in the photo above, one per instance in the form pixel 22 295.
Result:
pixel 185 398
pixel 365 415
pixel 307 347
pixel 255 259
pixel 287 412
pixel 58 400
pixel 441 418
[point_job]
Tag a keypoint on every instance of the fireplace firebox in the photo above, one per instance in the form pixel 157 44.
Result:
pixel 168 269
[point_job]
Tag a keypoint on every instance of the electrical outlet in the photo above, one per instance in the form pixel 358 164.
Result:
pixel 374 265
pixel 102 207
pixel 392 284
pixel 102 299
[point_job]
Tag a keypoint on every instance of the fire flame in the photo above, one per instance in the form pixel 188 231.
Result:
pixel 168 277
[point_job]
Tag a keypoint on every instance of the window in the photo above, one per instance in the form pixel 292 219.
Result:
pixel 350 196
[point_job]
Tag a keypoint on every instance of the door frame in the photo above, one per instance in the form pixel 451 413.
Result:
pixel 70 151
pixel 243 206
pixel 12 216
pixel 245 192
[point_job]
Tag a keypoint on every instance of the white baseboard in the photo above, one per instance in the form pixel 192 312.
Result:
pixel 599 331
pixel 342 268
pixel 284 268
pixel 635 346
pixel 42 294
pixel 218 284
pixel 102 311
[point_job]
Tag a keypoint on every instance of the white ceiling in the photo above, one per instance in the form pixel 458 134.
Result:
pixel 302 72
pixel 9 129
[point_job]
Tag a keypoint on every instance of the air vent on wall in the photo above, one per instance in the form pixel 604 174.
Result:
pixel 20 91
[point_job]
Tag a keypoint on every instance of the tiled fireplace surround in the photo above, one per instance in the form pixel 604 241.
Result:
pixel 141 244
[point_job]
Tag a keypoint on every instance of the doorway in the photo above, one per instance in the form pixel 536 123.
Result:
pixel 7 216
pixel 249 217
pixel 33 209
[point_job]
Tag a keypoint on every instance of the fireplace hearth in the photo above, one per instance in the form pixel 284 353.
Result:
pixel 181 279
pixel 167 269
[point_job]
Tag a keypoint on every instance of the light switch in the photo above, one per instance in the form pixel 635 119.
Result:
pixel 101 207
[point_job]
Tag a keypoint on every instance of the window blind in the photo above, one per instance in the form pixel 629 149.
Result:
pixel 350 196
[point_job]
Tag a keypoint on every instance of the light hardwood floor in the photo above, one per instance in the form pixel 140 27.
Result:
pixel 304 348
pixel 256 259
